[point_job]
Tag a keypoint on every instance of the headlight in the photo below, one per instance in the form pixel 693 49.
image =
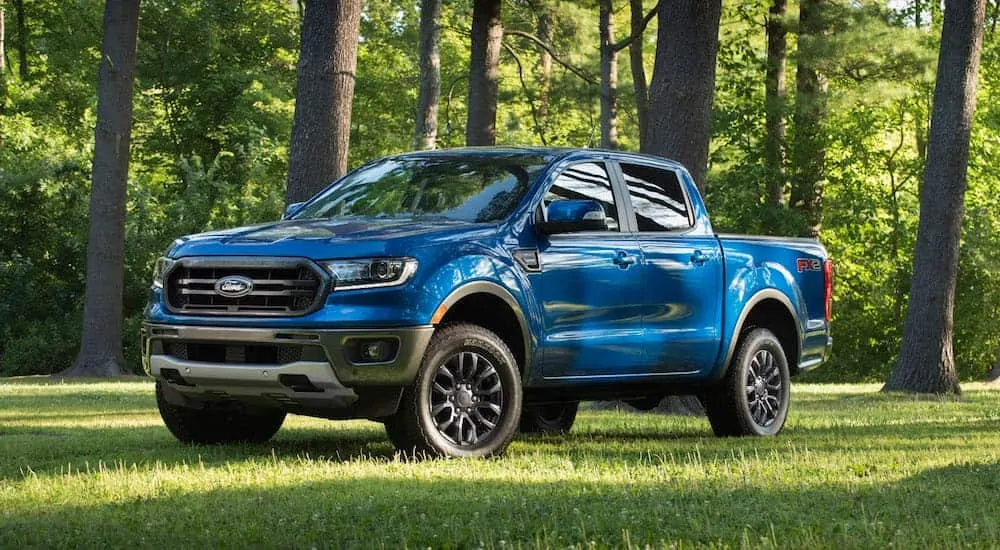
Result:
pixel 161 267
pixel 370 272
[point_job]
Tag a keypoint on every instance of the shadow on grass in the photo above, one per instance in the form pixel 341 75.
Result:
pixel 48 449
pixel 950 506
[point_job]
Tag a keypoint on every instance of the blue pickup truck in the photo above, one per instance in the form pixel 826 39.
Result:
pixel 461 296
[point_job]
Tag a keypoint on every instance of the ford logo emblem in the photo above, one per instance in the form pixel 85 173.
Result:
pixel 235 286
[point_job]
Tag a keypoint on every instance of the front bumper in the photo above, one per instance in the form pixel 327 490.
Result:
pixel 321 375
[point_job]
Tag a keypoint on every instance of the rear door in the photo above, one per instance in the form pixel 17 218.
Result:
pixel 590 285
pixel 682 272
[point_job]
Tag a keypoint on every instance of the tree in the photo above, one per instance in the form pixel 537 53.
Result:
pixel 927 359
pixel 22 40
pixel 3 50
pixel 484 71
pixel 639 85
pixel 321 129
pixel 101 345
pixel 681 92
pixel 546 33
pixel 810 110
pixel 3 62
pixel 609 77
pixel 430 74
pixel 774 107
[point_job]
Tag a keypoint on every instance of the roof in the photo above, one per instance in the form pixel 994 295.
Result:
pixel 549 153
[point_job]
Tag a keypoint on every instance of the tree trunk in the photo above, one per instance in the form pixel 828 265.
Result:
pixel 809 153
pixel 3 49
pixel 639 70
pixel 430 74
pixel 680 95
pixel 321 130
pixel 101 345
pixel 994 376
pixel 484 69
pixel 3 63
pixel 22 41
pixel 774 109
pixel 609 78
pixel 546 32
pixel 927 360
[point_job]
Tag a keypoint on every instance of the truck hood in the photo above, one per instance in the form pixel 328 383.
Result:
pixel 328 239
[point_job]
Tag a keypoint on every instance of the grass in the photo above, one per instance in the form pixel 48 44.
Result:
pixel 88 464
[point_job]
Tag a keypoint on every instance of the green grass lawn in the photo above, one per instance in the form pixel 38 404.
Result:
pixel 90 465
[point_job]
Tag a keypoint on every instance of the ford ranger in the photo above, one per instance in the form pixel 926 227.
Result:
pixel 461 296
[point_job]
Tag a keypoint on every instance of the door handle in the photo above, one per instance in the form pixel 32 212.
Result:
pixel 699 257
pixel 623 260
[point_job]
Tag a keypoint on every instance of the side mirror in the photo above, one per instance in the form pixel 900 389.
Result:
pixel 291 209
pixel 571 216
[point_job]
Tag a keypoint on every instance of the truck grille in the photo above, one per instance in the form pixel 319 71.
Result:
pixel 264 354
pixel 277 288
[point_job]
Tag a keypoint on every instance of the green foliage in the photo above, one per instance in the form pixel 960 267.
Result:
pixel 214 100
pixel 214 81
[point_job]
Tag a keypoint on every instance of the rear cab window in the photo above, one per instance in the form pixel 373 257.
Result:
pixel 657 197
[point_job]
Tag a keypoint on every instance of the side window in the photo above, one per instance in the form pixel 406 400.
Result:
pixel 657 198
pixel 586 181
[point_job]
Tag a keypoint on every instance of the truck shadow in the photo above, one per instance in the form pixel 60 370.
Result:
pixel 41 444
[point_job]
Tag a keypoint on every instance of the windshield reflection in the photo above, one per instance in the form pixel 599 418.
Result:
pixel 469 189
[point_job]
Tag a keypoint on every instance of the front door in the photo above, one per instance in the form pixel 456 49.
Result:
pixel 590 286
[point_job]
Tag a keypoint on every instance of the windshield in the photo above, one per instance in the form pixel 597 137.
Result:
pixel 470 189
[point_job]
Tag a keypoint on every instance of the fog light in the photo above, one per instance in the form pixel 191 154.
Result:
pixel 380 350
pixel 373 351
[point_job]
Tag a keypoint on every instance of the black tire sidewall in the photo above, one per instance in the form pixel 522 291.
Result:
pixel 536 418
pixel 755 341
pixel 490 346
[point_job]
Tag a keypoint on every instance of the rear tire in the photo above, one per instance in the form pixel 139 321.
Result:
pixel 550 418
pixel 753 397
pixel 465 401
pixel 218 423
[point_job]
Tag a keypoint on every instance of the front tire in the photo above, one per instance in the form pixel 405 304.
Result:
pixel 753 397
pixel 466 399
pixel 218 423
pixel 551 418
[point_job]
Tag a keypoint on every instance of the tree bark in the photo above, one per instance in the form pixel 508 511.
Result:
pixel 774 108
pixel 101 345
pixel 683 85
pixel 321 130
pixel 810 111
pixel 927 360
pixel 3 36
pixel 484 72
pixel 3 62
pixel 22 41
pixel 430 75
pixel 609 78
pixel 638 26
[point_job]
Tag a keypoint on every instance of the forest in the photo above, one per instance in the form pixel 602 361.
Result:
pixel 820 124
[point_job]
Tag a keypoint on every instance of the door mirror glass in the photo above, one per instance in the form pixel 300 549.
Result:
pixel 571 216
pixel 291 209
